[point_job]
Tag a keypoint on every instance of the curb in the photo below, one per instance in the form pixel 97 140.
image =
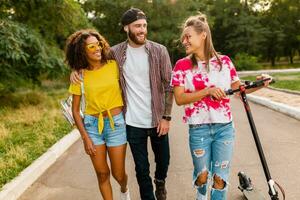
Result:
pixel 280 107
pixel 14 189
pixel 284 90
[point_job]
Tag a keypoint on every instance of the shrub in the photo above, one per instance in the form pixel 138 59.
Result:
pixel 244 61
pixel 18 99
pixel 25 57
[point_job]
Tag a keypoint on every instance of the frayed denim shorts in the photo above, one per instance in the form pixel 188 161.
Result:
pixel 108 136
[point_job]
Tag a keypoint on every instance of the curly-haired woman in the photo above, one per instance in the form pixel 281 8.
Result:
pixel 103 129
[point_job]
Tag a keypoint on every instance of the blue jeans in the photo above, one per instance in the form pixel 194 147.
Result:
pixel 108 136
pixel 138 139
pixel 211 147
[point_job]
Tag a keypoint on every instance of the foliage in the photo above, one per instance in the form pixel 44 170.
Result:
pixel 258 28
pixel 167 32
pixel 32 36
pixel 244 61
pixel 25 57
pixel 33 33
pixel 283 29
pixel 55 20
pixel 236 28
pixel 164 20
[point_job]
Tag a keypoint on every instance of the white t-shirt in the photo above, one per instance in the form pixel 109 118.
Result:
pixel 136 73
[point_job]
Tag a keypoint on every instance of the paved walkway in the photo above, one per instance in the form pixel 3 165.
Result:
pixel 280 97
pixel 72 177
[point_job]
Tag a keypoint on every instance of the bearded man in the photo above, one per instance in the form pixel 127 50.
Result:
pixel 145 73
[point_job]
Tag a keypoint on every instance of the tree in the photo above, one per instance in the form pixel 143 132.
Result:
pixel 24 57
pixel 33 34
pixel 290 23
pixel 55 20
pixel 236 28
pixel 164 20
pixel 273 45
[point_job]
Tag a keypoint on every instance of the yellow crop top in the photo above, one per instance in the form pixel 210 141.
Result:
pixel 101 90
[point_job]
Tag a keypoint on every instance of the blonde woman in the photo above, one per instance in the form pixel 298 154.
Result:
pixel 199 81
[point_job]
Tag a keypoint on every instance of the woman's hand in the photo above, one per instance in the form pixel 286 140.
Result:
pixel 216 93
pixel 75 77
pixel 265 76
pixel 89 147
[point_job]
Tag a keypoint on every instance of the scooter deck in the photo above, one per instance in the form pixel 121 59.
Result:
pixel 254 194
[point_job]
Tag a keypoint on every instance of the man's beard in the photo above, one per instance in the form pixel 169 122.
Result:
pixel 134 38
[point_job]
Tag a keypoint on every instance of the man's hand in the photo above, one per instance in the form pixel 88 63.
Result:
pixel 75 77
pixel 163 127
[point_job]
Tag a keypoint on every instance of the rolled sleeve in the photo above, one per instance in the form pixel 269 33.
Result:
pixel 166 69
pixel 75 89
pixel 177 75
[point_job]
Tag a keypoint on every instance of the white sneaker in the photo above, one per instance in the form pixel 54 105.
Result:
pixel 201 196
pixel 125 195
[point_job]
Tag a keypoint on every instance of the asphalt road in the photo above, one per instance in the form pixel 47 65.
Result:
pixel 72 176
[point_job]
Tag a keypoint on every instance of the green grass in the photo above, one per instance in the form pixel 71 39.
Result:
pixel 281 66
pixel 30 123
pixel 290 81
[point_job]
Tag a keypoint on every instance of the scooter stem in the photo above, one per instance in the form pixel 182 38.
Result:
pixel 272 192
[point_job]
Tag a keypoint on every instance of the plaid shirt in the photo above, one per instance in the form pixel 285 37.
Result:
pixel 160 70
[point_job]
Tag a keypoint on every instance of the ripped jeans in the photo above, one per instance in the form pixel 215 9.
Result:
pixel 211 147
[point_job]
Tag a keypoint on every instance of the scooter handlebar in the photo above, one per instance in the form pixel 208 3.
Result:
pixel 249 84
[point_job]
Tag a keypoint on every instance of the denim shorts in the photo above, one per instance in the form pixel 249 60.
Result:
pixel 211 147
pixel 109 136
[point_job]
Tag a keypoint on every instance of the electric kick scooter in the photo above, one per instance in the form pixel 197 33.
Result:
pixel 249 191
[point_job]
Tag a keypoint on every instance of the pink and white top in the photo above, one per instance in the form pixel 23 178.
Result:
pixel 206 110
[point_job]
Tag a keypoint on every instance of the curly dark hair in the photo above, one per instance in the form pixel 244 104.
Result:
pixel 75 48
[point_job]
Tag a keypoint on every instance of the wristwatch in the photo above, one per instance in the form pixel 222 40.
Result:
pixel 168 118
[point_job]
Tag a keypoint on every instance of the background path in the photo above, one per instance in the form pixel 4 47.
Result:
pixel 72 176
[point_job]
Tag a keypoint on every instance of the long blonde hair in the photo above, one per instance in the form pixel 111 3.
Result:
pixel 199 23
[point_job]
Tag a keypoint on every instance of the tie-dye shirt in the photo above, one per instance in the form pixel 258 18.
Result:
pixel 206 110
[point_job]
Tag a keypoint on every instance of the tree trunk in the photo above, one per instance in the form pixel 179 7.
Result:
pixel 291 59
pixel 273 61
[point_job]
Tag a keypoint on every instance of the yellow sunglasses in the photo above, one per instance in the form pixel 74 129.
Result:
pixel 93 46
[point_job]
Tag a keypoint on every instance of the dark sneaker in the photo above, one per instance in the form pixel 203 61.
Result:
pixel 160 192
